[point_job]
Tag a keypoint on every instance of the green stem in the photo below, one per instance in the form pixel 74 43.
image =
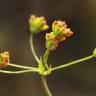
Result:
pixel 72 63
pixel 45 86
pixel 32 48
pixel 44 82
pixel 15 72
pixel 45 57
pixel 23 67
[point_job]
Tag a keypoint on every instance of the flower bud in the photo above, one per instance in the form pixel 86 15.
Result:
pixel 59 33
pixel 58 27
pixel 37 24
pixel 51 41
pixel 4 59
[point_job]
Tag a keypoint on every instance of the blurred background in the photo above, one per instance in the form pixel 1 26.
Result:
pixel 80 16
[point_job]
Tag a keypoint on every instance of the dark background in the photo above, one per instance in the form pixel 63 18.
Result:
pixel 80 15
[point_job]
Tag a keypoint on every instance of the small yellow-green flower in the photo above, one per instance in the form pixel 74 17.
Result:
pixel 59 33
pixel 51 40
pixel 37 24
pixel 4 59
pixel 60 28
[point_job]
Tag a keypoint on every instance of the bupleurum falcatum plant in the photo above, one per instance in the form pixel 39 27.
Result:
pixel 60 32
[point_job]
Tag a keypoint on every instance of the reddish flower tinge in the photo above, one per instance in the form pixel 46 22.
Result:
pixel 59 33
pixel 4 59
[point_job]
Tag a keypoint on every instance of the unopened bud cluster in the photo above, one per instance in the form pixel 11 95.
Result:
pixel 59 33
pixel 37 24
pixel 4 59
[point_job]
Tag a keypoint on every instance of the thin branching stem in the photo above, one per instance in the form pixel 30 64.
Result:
pixel 45 86
pixel 15 72
pixel 44 82
pixel 45 57
pixel 72 63
pixel 23 67
pixel 32 48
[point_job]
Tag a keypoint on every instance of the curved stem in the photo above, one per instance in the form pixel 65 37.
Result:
pixel 45 86
pixel 32 48
pixel 15 72
pixel 45 57
pixel 72 63
pixel 23 67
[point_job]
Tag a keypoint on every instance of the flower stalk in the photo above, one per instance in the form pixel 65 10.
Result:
pixel 45 86
pixel 72 63
pixel 23 67
pixel 17 72
pixel 32 48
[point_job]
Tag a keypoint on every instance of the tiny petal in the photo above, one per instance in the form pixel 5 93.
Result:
pixel 45 27
pixel 67 32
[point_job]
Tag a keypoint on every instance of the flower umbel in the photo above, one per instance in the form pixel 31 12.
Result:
pixel 59 33
pixel 4 59
pixel 37 24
